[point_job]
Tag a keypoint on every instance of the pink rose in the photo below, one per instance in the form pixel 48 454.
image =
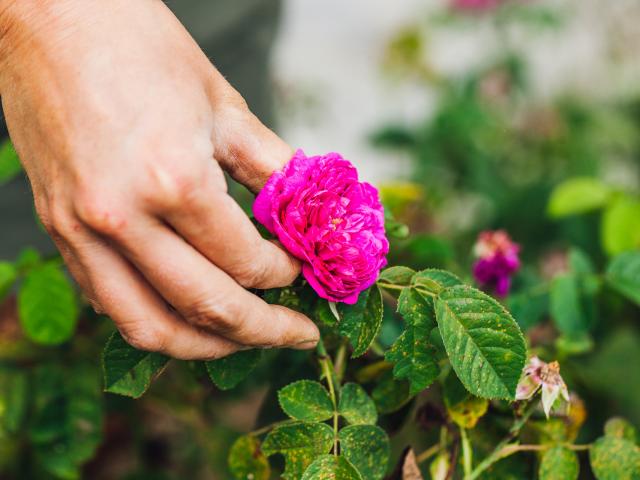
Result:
pixel 324 216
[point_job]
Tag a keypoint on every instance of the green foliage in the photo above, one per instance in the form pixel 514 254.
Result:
pixel 620 428
pixel 565 305
pixel 623 274
pixel 47 305
pixel 246 459
pixel 614 458
pixel 8 275
pixel 559 463
pixel 328 467
pixel 485 346
pixel 621 226
pixel 361 322
pixel 397 276
pixel 463 408
pixel 306 400
pixel 229 371
pixel 9 163
pixel 578 195
pixel 128 371
pixel 13 399
pixel 300 444
pixel 367 448
pixel 356 406
pixel 390 394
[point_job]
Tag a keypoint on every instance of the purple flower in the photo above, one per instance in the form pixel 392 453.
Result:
pixel 545 376
pixel 497 261
pixel 324 216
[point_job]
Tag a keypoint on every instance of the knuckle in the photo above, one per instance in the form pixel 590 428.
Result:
pixel 250 273
pixel 172 184
pixel 58 221
pixel 101 214
pixel 211 314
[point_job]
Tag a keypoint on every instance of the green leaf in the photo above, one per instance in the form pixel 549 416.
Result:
pixel 623 274
pixel 246 460
pixel 397 276
pixel 306 400
pixel 615 459
pixel 620 428
pixel 434 280
pixel 367 448
pixel 300 444
pixel 559 463
pixel 229 371
pixel 484 343
pixel 416 309
pixel 66 421
pixel 47 306
pixel 565 305
pixel 9 163
pixel 390 394
pixel 414 358
pixel 128 371
pixel 14 399
pixel 463 408
pixel 8 276
pixel 621 226
pixel 360 322
pixel 331 467
pixel 577 195
pixel 356 406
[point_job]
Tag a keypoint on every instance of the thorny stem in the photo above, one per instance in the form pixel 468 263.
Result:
pixel 328 371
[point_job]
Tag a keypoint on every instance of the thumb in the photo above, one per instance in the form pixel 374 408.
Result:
pixel 246 149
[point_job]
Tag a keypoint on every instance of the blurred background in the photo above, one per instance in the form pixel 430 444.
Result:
pixel 469 115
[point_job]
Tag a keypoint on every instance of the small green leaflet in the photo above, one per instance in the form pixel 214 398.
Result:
pixel 8 276
pixel 306 400
pixel 300 443
pixel 623 274
pixel 367 448
pixel 360 322
pixel 434 280
pixel 229 371
pixel 9 163
pixel 400 276
pixel 485 345
pixel 577 195
pixel 128 371
pixel 246 460
pixel 331 467
pixel 559 463
pixel 620 428
pixel 412 353
pixel 615 458
pixel 356 406
pixel 47 305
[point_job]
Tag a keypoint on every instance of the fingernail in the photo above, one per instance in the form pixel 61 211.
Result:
pixel 305 344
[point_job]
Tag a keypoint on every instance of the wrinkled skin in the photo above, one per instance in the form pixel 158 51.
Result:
pixel 124 128
pixel 328 219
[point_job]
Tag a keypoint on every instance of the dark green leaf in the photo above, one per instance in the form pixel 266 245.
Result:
pixel 246 460
pixel 229 371
pixel 367 448
pixel 615 459
pixel 360 322
pixel 306 400
pixel 8 275
pixel 559 463
pixel 14 399
pixel 485 346
pixel 566 307
pixel 623 274
pixel 356 406
pixel 300 444
pixel 47 306
pixel 434 280
pixel 331 467
pixel 577 195
pixel 416 309
pixel 128 371
pixel 390 394
pixel 9 163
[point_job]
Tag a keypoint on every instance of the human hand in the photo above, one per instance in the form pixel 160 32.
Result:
pixel 124 128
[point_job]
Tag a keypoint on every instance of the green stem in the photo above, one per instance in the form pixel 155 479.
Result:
pixel 511 449
pixel 496 454
pixel 341 361
pixel 390 286
pixel 329 372
pixel 467 453
pixel 271 426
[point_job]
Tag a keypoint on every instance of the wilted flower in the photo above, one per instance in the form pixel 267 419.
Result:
pixel 497 261
pixel 328 219
pixel 545 376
